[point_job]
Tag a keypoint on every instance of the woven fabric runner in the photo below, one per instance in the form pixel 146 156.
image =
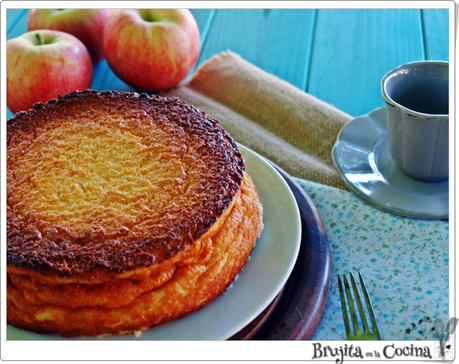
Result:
pixel 293 129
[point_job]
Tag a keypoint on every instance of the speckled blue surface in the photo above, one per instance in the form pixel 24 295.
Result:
pixel 404 263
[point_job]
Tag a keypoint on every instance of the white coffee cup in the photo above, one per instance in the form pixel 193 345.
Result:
pixel 416 96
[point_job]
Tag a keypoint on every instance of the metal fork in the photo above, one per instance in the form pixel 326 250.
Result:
pixel 358 334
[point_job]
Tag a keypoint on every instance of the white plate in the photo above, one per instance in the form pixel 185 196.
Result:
pixel 362 158
pixel 261 279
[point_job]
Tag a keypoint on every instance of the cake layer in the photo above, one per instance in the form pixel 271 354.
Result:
pixel 182 285
pixel 101 183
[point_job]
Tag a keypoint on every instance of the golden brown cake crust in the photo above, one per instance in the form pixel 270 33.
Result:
pixel 186 181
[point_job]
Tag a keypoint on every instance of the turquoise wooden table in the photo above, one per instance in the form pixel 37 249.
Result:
pixel 340 56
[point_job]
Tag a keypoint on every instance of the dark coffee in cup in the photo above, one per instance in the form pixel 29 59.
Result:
pixel 427 96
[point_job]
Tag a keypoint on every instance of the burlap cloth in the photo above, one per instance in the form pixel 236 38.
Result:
pixel 293 129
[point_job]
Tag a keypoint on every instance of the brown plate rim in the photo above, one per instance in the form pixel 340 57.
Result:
pixel 296 311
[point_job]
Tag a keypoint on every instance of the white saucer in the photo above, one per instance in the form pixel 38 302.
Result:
pixel 362 158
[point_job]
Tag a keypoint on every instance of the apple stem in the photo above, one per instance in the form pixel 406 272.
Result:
pixel 40 39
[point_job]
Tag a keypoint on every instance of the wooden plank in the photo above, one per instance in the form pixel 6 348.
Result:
pixel 202 18
pixel 436 33
pixel 354 48
pixel 275 40
pixel 16 20
pixel 12 16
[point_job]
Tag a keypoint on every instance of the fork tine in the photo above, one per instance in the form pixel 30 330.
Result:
pixel 347 327
pixel 355 320
pixel 369 306
pixel 363 316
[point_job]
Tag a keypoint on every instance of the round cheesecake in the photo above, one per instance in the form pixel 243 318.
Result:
pixel 124 211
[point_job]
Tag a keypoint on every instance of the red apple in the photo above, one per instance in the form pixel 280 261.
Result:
pixel 151 49
pixel 85 24
pixel 42 64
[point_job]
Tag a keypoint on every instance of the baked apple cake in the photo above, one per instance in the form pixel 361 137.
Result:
pixel 124 211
